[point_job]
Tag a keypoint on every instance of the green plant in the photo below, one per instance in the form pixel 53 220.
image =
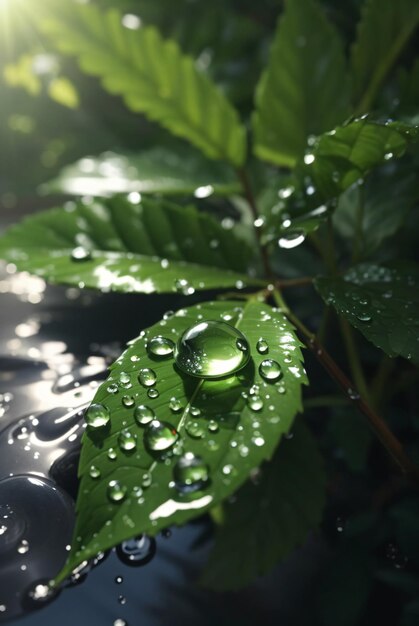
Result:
pixel 166 442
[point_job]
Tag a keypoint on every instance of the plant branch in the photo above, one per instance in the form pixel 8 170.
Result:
pixel 249 195
pixel 389 441
pixel 294 282
pixel 355 366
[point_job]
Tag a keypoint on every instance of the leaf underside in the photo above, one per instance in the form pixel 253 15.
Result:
pixel 304 90
pixel 244 439
pixel 152 75
pixel 146 247
pixel 270 516
pixel 381 302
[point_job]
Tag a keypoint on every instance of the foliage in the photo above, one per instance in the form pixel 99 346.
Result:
pixel 330 183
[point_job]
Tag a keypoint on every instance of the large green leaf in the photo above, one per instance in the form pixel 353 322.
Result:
pixel 152 171
pixel 269 515
pixel 304 89
pixel 333 162
pixel 151 74
pixel 214 420
pixel 383 31
pixel 371 213
pixel 152 246
pixel 381 302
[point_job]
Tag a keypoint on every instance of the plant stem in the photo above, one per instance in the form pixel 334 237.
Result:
pixel 294 282
pixel 248 192
pixel 353 359
pixel 389 441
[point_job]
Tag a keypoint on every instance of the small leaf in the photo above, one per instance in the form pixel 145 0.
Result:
pixel 304 90
pixel 383 208
pixel 157 170
pixel 381 302
pixel 269 516
pixel 229 424
pixel 333 162
pixel 151 74
pixel 384 29
pixel 152 246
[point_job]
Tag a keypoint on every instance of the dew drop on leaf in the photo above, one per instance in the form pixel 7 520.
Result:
pixel 270 370
pixel 160 346
pixel 190 473
pixel 194 430
pixel 116 491
pixel 181 285
pixel 175 405
pixel 124 380
pixel 147 377
pixel 127 441
pixel 128 401
pixel 153 393
pixel 111 454
pixel 94 471
pixel 113 388
pixel 212 349
pixel 262 346
pixel 159 436
pixel 80 254
pixel 213 426
pixel 255 403
pixel 143 415
pixel 97 416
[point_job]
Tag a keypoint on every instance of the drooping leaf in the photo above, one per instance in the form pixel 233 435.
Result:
pixel 384 29
pixel 213 419
pixel 157 170
pixel 269 516
pixel 304 90
pixel 373 212
pixel 333 162
pixel 381 302
pixel 152 76
pixel 114 244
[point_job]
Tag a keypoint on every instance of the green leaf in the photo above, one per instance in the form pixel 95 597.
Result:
pixel 373 212
pixel 157 170
pixel 381 302
pixel 304 89
pixel 152 76
pixel 114 244
pixel 214 422
pixel 270 515
pixel 384 29
pixel 334 161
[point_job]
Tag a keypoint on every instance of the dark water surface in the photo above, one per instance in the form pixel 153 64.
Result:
pixel 55 345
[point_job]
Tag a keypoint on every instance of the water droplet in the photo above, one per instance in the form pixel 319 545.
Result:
pixel 153 393
pixel 194 430
pixel 175 405
pixel 270 370
pixel 143 414
pixel 262 346
pixel 212 349
pixel 40 594
pixel 147 377
pixel 160 346
pixel 213 426
pixel 138 551
pixel 23 547
pixel 120 622
pixel 291 240
pixel 111 454
pixel 116 491
pixel 190 473
pixel 80 254
pixel 195 411
pixel 182 286
pixel 97 416
pixel 94 472
pixel 122 600
pixel 364 316
pixel 113 388
pixel 124 380
pixel 119 580
pixel 255 403
pixel 128 401
pixel 160 436
pixel 127 441
pixel 146 480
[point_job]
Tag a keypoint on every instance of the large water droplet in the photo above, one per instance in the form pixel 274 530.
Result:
pixel 116 491
pixel 270 370
pixel 160 346
pixel 190 473
pixel 97 416
pixel 160 436
pixel 143 415
pixel 147 377
pixel 211 349
pixel 138 551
